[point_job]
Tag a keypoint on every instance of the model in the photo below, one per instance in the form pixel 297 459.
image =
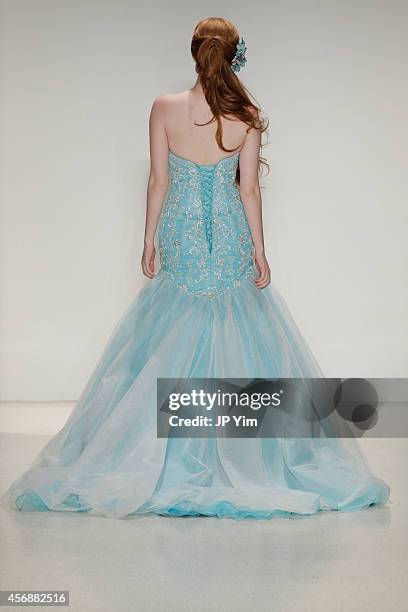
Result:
pixel 208 312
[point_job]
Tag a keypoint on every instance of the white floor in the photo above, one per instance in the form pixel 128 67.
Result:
pixel 331 562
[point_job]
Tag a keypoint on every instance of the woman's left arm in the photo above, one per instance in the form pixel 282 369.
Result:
pixel 158 181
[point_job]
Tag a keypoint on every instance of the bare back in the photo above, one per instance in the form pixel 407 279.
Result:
pixel 197 142
pixel 172 126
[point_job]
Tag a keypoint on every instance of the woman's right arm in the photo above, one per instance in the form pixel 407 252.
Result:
pixel 250 192
pixel 158 181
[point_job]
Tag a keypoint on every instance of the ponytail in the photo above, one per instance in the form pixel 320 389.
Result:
pixel 213 48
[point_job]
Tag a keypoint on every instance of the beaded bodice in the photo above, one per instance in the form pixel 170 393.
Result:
pixel 205 242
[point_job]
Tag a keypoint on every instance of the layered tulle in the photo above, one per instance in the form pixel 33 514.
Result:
pixel 108 460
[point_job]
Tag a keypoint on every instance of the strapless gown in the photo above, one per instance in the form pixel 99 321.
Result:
pixel 201 317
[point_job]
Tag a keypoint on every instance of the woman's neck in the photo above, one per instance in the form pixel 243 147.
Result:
pixel 197 89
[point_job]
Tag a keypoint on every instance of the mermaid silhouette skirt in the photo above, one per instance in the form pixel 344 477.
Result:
pixel 201 317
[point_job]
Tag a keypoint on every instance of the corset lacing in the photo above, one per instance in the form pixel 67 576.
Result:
pixel 206 195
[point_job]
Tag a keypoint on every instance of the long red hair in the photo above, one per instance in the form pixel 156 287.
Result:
pixel 213 47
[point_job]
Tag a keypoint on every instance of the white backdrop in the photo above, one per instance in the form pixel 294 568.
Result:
pixel 77 81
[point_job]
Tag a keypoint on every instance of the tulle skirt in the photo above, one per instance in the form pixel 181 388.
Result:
pixel 107 459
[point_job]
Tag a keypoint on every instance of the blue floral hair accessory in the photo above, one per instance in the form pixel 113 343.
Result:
pixel 239 60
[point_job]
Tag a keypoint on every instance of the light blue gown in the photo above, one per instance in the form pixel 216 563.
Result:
pixel 201 316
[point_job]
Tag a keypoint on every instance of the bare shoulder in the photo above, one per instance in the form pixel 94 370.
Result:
pixel 254 112
pixel 170 101
pixel 255 130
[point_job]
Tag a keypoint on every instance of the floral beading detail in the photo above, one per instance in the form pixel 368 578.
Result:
pixel 205 243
